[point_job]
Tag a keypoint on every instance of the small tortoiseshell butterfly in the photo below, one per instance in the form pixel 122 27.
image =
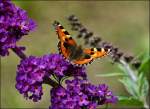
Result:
pixel 74 53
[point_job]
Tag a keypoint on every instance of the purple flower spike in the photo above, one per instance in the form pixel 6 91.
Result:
pixel 14 23
pixel 60 67
pixel 32 72
pixel 29 78
pixel 80 94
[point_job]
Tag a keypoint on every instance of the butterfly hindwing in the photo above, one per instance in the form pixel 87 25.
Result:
pixel 97 52
pixel 89 54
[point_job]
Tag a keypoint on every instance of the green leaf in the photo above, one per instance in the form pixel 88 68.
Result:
pixel 141 56
pixel 143 85
pixel 129 101
pixel 144 67
pixel 121 68
pixel 110 74
pixel 130 86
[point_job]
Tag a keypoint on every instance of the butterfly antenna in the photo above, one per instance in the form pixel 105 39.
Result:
pixel 56 23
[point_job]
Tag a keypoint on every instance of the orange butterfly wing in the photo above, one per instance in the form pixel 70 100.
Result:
pixel 63 50
pixel 97 52
pixel 93 54
pixel 67 45
pixel 82 61
pixel 64 37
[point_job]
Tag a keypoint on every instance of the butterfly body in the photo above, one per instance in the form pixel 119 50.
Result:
pixel 74 53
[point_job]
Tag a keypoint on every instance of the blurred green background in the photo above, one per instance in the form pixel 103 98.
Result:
pixel 123 23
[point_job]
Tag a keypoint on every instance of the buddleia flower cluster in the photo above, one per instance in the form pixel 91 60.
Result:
pixel 80 94
pixel 14 24
pixel 51 69
pixel 33 72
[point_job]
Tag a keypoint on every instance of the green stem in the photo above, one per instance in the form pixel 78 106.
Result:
pixel 129 70
pixel 132 75
pixel 146 106
pixel 106 106
pixel 50 82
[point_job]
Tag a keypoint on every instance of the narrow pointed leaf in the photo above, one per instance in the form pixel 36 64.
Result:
pixel 110 74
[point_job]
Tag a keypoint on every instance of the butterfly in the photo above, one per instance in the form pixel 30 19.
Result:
pixel 74 53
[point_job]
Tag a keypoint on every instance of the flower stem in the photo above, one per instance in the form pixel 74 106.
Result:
pixel 146 106
pixel 50 82
pixel 19 52
pixel 129 70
